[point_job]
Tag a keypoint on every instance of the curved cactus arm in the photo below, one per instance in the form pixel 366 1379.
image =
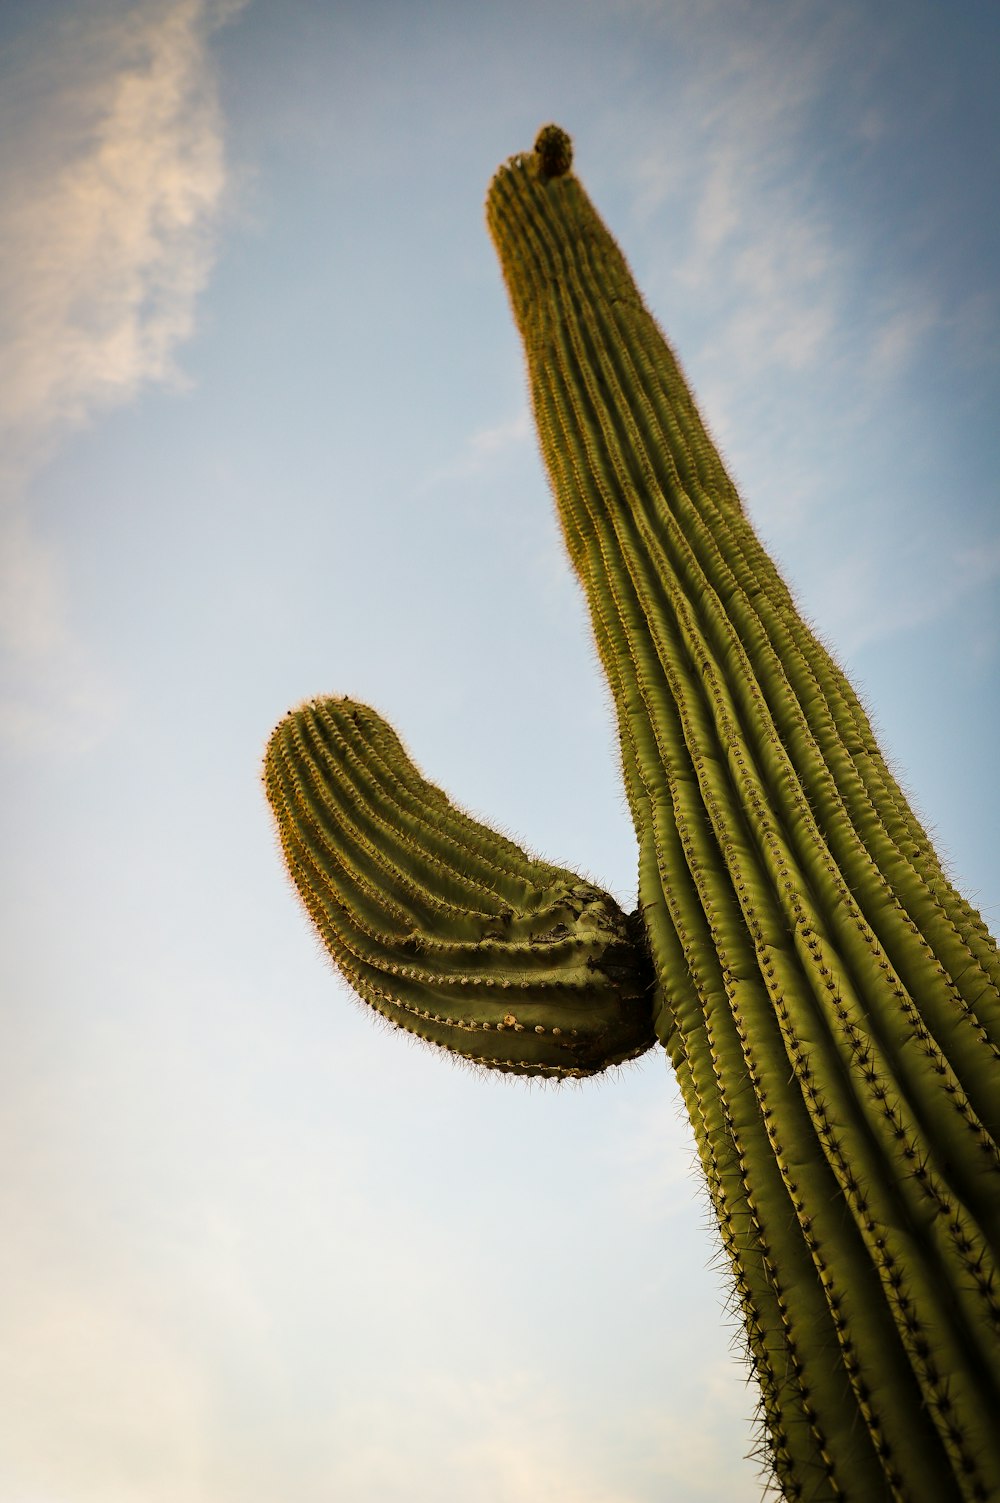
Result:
pixel 445 927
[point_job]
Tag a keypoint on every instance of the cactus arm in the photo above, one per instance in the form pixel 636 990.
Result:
pixel 838 1044
pixel 448 929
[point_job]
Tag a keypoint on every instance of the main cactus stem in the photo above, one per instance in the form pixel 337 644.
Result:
pixel 829 1003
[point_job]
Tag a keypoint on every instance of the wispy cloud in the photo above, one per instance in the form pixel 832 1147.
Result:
pixel 744 248
pixel 807 324
pixel 109 204
pixel 481 449
pixel 898 336
pixel 51 692
pixel 757 247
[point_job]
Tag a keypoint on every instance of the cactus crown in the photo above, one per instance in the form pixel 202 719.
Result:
pixel 554 150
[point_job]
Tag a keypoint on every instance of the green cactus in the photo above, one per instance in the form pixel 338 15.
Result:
pixel 830 1004
pixel 445 927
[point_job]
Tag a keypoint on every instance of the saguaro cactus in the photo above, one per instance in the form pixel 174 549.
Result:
pixel 830 1004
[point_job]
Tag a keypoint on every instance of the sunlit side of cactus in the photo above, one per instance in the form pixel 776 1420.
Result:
pixel 829 1002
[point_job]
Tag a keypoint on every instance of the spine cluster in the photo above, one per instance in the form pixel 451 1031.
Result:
pixel 829 1002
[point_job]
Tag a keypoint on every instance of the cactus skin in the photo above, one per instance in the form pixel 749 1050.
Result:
pixel 448 929
pixel 830 1004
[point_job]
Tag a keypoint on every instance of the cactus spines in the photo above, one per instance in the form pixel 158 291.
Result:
pixel 448 929
pixel 830 1004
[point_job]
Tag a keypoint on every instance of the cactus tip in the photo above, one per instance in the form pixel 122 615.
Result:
pixel 554 150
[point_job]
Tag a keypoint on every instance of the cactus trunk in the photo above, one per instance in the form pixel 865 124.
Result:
pixel 830 1004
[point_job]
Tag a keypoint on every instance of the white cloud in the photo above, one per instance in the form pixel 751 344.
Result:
pixel 488 441
pixel 758 243
pixel 898 337
pixel 109 244
pixel 50 691
pixel 717 217
pixel 481 449
pixel 114 182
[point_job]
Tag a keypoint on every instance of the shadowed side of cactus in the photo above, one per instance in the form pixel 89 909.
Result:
pixel 830 1004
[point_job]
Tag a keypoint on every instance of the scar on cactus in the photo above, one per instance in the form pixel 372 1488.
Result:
pixel 829 1002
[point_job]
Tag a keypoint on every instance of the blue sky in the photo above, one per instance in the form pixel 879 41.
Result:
pixel 266 436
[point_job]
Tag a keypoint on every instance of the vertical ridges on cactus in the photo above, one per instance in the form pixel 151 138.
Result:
pixel 447 928
pixel 833 967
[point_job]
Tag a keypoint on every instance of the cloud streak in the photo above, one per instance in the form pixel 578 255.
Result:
pixel 481 450
pixel 109 208
pixel 760 249
pixel 809 324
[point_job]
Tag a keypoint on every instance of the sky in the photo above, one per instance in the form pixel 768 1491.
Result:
pixel 266 436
